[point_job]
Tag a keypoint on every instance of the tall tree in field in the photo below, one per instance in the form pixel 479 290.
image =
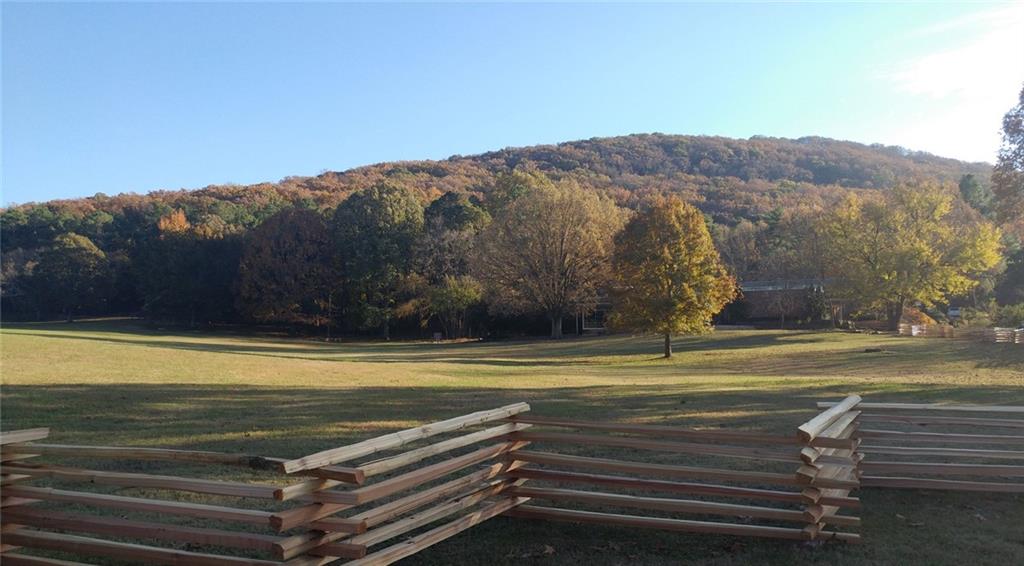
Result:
pixel 548 251
pixel 669 277
pixel 285 272
pixel 70 275
pixel 892 251
pixel 375 231
pixel 1008 175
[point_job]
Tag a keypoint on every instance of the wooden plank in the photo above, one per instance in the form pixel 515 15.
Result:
pixel 397 439
pixel 936 407
pixel 136 552
pixel 814 427
pixel 291 518
pixel 393 463
pixel 941 437
pixel 744 452
pixel 415 477
pixel 929 468
pixel 810 475
pixel 308 542
pixel 940 451
pixel 11 479
pixel 547 513
pixel 12 457
pixel 134 453
pixel 304 488
pixel 654 469
pixel 347 475
pixel 318 515
pixel 342 474
pixel 660 503
pixel 411 546
pixel 953 485
pixel 26 560
pixel 657 485
pixel 6 502
pixel 141 504
pixel 24 435
pixel 93 524
pixel 398 507
pixel 427 516
pixel 663 431
pixel 841 443
pixel 236 489
pixel 930 420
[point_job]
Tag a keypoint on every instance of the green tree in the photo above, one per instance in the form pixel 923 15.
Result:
pixel 70 274
pixel 669 278
pixel 548 251
pixel 891 251
pixel 451 224
pixel 284 273
pixel 375 230
pixel 974 193
pixel 1008 175
pixel 450 302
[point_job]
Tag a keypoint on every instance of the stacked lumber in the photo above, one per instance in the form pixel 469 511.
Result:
pixel 337 504
pixel 946 447
pixel 701 481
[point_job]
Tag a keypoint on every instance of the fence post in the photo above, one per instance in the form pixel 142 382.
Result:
pixel 830 469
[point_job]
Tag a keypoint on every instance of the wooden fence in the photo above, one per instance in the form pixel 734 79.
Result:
pixel 332 511
pixel 790 486
pixel 383 499
pixel 997 335
pixel 949 447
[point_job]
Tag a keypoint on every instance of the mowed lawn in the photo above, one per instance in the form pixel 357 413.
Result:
pixel 116 382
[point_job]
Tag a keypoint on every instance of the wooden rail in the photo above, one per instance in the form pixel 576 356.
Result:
pixel 340 514
pixel 821 457
pixel 359 502
pixel 945 447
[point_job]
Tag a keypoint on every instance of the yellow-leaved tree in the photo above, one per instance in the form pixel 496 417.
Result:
pixel 669 278
pixel 903 247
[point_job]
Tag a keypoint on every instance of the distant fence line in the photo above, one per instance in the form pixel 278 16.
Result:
pixel 999 335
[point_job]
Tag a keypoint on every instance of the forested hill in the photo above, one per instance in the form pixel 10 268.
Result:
pixel 198 256
pixel 728 179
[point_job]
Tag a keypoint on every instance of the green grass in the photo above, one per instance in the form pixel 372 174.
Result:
pixel 115 382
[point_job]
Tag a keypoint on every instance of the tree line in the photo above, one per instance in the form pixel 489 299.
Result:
pixel 539 241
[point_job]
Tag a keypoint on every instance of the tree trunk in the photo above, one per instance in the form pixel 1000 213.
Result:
pixel 556 326
pixel 894 312
pixel 668 345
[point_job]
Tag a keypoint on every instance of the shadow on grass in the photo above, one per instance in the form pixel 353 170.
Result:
pixel 772 353
pixel 294 421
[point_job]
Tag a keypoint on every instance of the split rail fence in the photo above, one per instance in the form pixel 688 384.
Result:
pixel 998 335
pixel 948 447
pixel 384 499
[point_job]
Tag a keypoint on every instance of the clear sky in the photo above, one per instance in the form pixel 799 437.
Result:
pixel 135 97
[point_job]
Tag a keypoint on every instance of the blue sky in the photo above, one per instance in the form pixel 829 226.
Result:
pixel 136 97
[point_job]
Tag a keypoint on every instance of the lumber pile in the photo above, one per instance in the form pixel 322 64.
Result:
pixel 726 486
pixel 946 447
pixel 347 503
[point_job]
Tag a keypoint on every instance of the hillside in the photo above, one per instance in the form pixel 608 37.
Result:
pixel 727 178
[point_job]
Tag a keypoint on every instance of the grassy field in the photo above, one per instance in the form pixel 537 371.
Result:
pixel 115 382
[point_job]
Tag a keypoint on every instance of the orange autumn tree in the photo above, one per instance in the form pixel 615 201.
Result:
pixel 669 278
